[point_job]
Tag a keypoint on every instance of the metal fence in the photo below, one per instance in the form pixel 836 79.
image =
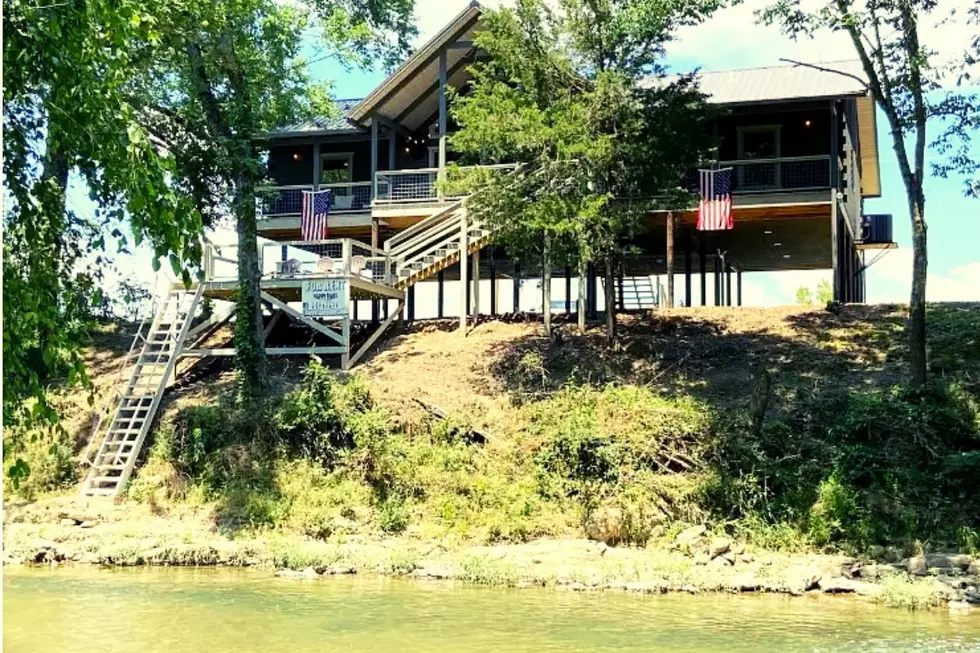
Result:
pixel 786 173
pixel 422 185
pixel 288 200
pixel 323 258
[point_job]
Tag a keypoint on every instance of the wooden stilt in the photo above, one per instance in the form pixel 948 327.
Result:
pixel 517 287
pixel 441 280
pixel 476 287
pixel 670 259
pixel 463 280
pixel 687 268
pixel 703 265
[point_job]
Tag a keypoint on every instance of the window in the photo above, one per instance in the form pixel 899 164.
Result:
pixel 760 142
pixel 336 167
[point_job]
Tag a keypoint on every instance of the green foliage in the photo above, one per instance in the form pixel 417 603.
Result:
pixel 910 593
pixel 49 458
pixel 595 145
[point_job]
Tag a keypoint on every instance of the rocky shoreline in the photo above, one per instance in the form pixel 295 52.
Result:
pixel 694 561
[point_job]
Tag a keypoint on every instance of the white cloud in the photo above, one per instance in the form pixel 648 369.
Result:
pixel 889 280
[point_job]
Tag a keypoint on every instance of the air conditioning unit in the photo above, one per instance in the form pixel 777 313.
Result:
pixel 876 228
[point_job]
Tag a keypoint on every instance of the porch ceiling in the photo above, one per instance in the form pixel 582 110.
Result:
pixel 411 94
pixel 760 242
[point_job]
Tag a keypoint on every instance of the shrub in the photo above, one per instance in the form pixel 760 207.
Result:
pixel 50 459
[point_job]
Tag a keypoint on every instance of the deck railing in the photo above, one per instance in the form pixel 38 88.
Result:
pixel 779 174
pixel 422 185
pixel 279 201
pixel 300 258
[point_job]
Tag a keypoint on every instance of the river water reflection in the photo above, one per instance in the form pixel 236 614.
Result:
pixel 83 610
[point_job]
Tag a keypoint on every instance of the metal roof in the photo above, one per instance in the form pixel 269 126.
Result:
pixel 784 83
pixel 321 125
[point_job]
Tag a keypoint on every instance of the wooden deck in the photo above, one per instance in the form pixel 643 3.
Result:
pixel 290 289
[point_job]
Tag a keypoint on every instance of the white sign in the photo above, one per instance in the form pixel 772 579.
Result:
pixel 325 297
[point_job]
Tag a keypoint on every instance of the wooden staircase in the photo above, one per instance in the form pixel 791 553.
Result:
pixel 434 244
pixel 638 293
pixel 140 397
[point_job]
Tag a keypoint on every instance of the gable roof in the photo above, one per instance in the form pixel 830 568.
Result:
pixel 784 83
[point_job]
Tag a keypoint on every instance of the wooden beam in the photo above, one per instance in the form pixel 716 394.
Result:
pixel 688 298
pixel 442 126
pixel 374 159
pixel 517 287
pixel 702 265
pixel 272 324
pixel 441 280
pixel 568 290
pixel 476 287
pixel 377 334
pixel 433 88
pixel 270 351
pixel 670 259
pixel 313 324
pixel 463 281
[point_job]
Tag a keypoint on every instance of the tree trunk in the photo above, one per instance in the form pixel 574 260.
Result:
pixel 546 285
pixel 250 361
pixel 917 301
pixel 610 293
pixel 582 273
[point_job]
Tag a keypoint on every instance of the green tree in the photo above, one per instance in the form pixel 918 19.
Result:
pixel 230 70
pixel 576 92
pixel 67 108
pixel 804 296
pixel 906 83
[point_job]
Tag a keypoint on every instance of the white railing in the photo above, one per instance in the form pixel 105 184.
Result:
pixel 349 197
pixel 297 259
pixel 422 185
pixel 779 174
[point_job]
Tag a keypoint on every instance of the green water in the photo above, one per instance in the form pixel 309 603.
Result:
pixel 181 610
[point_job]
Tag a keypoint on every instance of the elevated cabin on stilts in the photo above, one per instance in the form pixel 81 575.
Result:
pixel 800 143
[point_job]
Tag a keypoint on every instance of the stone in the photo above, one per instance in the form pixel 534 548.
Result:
pixel 746 557
pixel 960 606
pixel 948 560
pixel 729 557
pixel 916 566
pixel 605 525
pixel 837 585
pixel 645 588
pixel 87 524
pixel 689 535
pixel 974 568
pixel 972 595
pixel 340 570
pixel 737 548
pixel 690 589
pixel 746 583
pixel 867 572
pixel 801 579
pixel 702 558
pixel 718 546
pixel 434 571
pixel 309 572
pixel 68 522
pixel 719 562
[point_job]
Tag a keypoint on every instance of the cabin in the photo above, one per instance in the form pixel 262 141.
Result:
pixel 800 142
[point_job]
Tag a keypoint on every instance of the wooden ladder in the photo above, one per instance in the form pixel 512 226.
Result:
pixel 140 398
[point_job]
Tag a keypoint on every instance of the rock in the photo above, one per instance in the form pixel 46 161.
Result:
pixel 718 546
pixel 916 566
pixel 89 559
pixel 87 524
pixel 862 588
pixel 948 560
pixel 972 595
pixel 702 558
pixel 867 572
pixel 745 583
pixel 801 579
pixel 719 562
pixel 605 525
pixel 746 557
pixel 974 568
pixel 645 588
pixel 68 522
pixel 309 572
pixel 729 557
pixel 339 570
pixel 434 571
pixel 838 585
pixel 961 606
pixel 690 589
pixel 689 535
pixel 737 548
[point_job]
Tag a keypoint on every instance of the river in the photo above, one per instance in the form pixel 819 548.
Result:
pixel 77 610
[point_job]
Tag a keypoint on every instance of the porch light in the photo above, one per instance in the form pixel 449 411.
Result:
pixel 786 255
pixel 768 232
pixel 297 156
pixel 806 122
pixel 777 244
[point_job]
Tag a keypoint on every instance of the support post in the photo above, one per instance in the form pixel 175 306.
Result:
pixel 464 282
pixel 316 166
pixel 670 259
pixel 728 284
pixel 687 268
pixel 476 287
pixel 546 285
pixel 568 292
pixel 738 285
pixel 442 122
pixel 717 281
pixel 835 246
pixel 441 286
pixel 592 293
pixel 374 157
pixel 493 285
pixel 517 287
pixel 703 264
pixel 392 147
pixel 581 295
pixel 620 291
pixel 411 303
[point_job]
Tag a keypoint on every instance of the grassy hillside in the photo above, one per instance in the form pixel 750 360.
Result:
pixel 789 428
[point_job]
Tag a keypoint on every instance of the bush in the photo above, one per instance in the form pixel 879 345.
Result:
pixel 50 459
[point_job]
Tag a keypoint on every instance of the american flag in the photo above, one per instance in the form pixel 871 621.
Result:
pixel 715 209
pixel 316 208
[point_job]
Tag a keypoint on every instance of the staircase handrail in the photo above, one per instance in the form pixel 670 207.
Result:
pixel 392 244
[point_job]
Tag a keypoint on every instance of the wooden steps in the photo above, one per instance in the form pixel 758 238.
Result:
pixel 138 401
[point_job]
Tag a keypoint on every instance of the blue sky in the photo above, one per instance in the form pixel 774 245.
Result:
pixel 732 39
